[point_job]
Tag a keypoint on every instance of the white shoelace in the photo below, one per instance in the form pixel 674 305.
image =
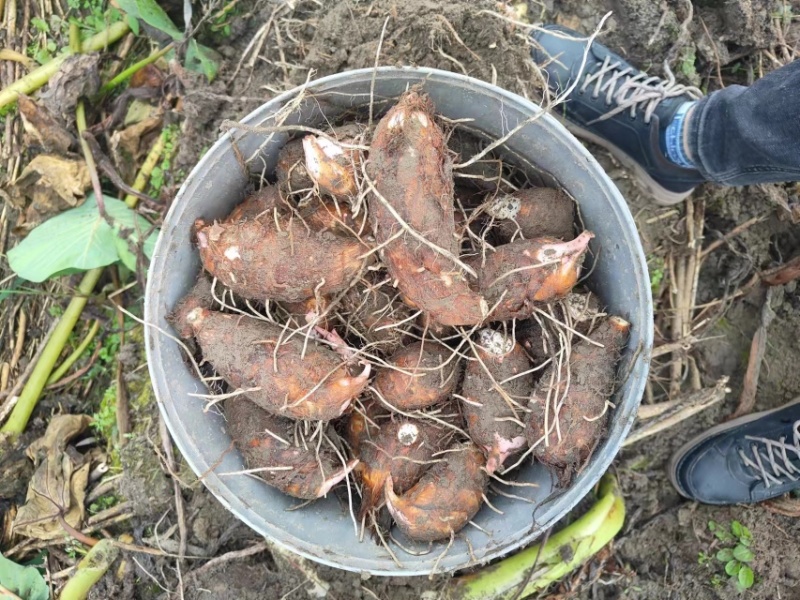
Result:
pixel 771 462
pixel 634 92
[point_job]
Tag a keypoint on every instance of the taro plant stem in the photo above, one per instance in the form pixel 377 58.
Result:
pixel 32 391
pixel 41 75
pixel 562 553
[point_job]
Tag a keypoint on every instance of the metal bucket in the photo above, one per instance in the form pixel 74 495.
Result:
pixel 324 531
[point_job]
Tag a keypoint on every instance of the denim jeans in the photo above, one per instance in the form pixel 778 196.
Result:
pixel 746 135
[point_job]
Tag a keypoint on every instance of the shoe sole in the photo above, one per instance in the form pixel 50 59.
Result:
pixel 696 441
pixel 660 194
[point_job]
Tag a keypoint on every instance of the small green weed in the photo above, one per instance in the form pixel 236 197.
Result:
pixel 172 134
pixel 93 16
pixel 221 22
pixel 736 554
pixel 655 264
pixel 687 66
pixel 103 503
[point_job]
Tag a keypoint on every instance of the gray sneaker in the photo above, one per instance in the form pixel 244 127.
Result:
pixel 618 107
pixel 750 459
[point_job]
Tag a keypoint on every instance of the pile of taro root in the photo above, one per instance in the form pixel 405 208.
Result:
pixel 397 315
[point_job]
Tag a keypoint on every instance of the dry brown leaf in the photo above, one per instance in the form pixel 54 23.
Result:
pixel 42 127
pixel 47 186
pixel 139 110
pixel 58 487
pixel 77 76
pixel 128 146
pixel 149 76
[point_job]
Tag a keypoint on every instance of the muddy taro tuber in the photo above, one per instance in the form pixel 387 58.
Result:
pixel 401 449
pixel 424 374
pixel 521 273
pixel 445 499
pixel 376 315
pixel 327 214
pixel 251 354
pixel 278 258
pixel 533 213
pixel 291 168
pixel 566 428
pixel 256 204
pixel 413 181
pixel 497 386
pixel 267 444
pixel 579 310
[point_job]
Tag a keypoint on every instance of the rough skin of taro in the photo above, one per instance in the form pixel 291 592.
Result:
pixel 582 416
pixel 258 203
pixel 401 449
pixel 328 214
pixel 445 499
pixel 200 296
pixel 412 173
pixel 259 259
pixel 315 386
pixel 430 376
pixel 374 314
pixel 311 475
pixel 583 309
pixel 291 168
pixel 519 274
pixel 491 405
pixel 364 422
pixel 534 213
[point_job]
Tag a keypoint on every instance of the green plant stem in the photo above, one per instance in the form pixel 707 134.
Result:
pixel 74 38
pixel 41 372
pixel 128 73
pixel 91 568
pixel 579 541
pixel 72 358
pixel 40 76
pixel 32 391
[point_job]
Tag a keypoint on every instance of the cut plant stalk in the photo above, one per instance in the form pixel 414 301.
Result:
pixel 91 568
pixel 40 76
pixel 32 391
pixel 579 541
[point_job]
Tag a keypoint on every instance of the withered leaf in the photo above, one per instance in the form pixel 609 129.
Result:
pixel 129 146
pixel 42 127
pixel 77 77
pixel 58 486
pixel 47 186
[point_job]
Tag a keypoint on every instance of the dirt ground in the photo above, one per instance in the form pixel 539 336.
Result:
pixel 708 43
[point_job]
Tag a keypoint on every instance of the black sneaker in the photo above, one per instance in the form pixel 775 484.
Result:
pixel 617 106
pixel 753 458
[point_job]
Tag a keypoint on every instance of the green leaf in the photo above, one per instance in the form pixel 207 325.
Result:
pixel 25 582
pixel 742 553
pixel 725 555
pixel 746 577
pixel 732 567
pixel 746 534
pixel 737 529
pixel 133 23
pixel 40 25
pixel 151 13
pixel 78 239
pixel 723 535
pixel 198 59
